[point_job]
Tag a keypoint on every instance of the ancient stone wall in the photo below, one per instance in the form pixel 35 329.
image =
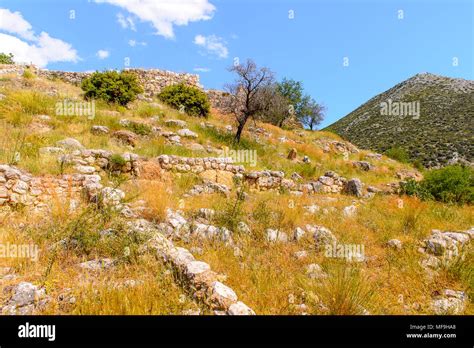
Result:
pixel 219 99
pixel 198 165
pixel 18 188
pixel 152 80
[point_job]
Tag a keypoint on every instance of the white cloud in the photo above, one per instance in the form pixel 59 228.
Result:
pixel 164 14
pixel 134 43
pixel 37 49
pixel 202 69
pixel 126 22
pixel 102 54
pixel 213 44
pixel 14 23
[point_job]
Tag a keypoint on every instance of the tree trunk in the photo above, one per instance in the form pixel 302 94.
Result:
pixel 240 128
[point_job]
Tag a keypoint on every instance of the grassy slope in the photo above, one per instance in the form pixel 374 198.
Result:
pixel 267 277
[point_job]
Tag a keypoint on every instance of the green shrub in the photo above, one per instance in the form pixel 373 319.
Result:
pixel 451 184
pixel 191 100
pixel 139 128
pixel 117 160
pixel 112 87
pixel 6 58
pixel 28 74
pixel 398 154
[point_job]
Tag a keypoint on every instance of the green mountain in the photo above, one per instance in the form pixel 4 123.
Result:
pixel 429 116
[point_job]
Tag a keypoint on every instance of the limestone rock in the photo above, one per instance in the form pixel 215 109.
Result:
pixel 240 308
pixel 126 137
pixel 70 144
pixel 99 130
pixel 187 133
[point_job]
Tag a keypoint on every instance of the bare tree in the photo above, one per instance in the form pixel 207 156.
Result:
pixel 247 93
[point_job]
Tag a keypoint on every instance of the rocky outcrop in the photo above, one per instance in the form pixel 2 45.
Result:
pixel 25 299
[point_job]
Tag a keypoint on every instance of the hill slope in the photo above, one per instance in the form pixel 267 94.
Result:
pixel 441 133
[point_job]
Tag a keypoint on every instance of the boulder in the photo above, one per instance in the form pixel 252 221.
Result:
pixel 99 130
pixel 353 187
pixel 125 137
pixel 70 144
pixel 187 133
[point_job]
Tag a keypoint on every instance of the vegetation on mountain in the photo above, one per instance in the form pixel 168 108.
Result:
pixel 441 133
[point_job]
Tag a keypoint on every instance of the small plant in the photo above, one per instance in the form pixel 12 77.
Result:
pixel 112 87
pixel 345 291
pixel 399 154
pixel 139 128
pixel 413 188
pixel 117 160
pixel 6 58
pixel 28 74
pixel 187 99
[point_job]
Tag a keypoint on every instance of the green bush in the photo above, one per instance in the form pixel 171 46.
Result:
pixel 112 87
pixel 191 100
pixel 6 58
pixel 28 74
pixel 139 128
pixel 451 184
pixel 117 160
pixel 398 154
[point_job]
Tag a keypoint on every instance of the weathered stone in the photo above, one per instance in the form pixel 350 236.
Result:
pixel 452 302
pixel 194 268
pixel 243 228
pixel 126 137
pixel 272 235
pixel 98 264
pixel 321 235
pixel 394 244
pixel 99 130
pixel 363 165
pixel 349 211
pixel 314 271
pixel 240 308
pixel 187 133
pixel 222 295
pixel 298 233
pixel 70 144
pixel 177 123
pixel 353 187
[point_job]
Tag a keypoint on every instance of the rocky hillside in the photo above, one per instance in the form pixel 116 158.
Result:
pixel 430 116
pixel 146 210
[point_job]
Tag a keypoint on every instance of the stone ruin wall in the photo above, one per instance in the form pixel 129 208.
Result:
pixel 152 80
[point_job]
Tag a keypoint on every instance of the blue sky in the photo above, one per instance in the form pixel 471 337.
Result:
pixel 306 40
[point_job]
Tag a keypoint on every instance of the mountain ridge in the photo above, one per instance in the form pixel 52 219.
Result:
pixel 442 132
